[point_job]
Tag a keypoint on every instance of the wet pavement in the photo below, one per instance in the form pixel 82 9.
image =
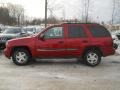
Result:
pixel 60 74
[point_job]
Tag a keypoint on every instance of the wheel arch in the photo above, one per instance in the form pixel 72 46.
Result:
pixel 96 48
pixel 21 47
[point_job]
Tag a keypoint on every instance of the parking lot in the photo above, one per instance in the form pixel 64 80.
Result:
pixel 59 74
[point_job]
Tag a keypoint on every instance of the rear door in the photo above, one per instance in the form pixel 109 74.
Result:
pixel 76 39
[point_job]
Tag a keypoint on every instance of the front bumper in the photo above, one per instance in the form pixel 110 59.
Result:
pixel 7 53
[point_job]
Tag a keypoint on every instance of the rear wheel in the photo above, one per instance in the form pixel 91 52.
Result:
pixel 92 58
pixel 21 57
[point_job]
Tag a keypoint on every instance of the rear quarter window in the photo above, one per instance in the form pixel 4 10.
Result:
pixel 99 31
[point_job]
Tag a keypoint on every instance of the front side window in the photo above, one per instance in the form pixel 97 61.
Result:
pixel 76 32
pixel 55 32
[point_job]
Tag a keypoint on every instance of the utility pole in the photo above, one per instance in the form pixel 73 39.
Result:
pixel 113 12
pixel 45 13
pixel 87 10
pixel 2 3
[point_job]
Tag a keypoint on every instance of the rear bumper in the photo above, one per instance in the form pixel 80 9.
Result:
pixel 7 53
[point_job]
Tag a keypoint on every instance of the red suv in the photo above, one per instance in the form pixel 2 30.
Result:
pixel 68 40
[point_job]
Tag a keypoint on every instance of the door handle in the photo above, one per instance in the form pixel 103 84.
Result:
pixel 61 42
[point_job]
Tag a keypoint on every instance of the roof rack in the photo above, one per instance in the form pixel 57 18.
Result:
pixel 77 23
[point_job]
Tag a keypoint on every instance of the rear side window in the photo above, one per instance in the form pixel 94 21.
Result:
pixel 99 31
pixel 76 32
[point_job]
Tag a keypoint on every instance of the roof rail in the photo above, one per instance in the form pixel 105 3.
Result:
pixel 78 23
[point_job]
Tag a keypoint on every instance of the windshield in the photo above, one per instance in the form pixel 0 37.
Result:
pixel 12 31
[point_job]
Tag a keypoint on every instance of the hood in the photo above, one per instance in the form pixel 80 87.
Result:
pixel 21 38
pixel 20 41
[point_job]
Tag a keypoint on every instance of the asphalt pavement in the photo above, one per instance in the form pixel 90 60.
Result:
pixel 60 74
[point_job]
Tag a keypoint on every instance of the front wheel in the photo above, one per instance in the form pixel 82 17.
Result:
pixel 21 57
pixel 92 58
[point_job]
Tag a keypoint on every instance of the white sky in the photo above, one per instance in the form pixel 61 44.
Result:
pixel 100 9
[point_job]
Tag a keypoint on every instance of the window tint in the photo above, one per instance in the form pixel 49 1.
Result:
pixel 76 32
pixel 56 32
pixel 99 31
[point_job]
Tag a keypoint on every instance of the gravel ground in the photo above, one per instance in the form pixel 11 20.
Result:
pixel 60 74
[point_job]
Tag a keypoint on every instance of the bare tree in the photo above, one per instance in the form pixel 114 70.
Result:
pixel 19 14
pixel 86 10
pixel 4 15
pixel 113 11
pixel 63 14
pixel 53 6
pixel 16 11
pixel 116 11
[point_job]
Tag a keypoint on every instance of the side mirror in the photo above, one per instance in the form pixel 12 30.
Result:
pixel 42 37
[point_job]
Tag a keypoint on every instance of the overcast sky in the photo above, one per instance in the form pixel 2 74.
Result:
pixel 100 10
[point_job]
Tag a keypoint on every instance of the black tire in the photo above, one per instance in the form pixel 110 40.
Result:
pixel 21 57
pixel 94 59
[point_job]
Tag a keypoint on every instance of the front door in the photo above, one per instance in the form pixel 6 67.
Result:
pixel 53 44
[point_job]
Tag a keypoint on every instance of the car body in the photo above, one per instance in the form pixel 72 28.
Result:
pixel 30 31
pixel 10 33
pixel 67 40
pixel 118 35
pixel 116 38
pixel 1 28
